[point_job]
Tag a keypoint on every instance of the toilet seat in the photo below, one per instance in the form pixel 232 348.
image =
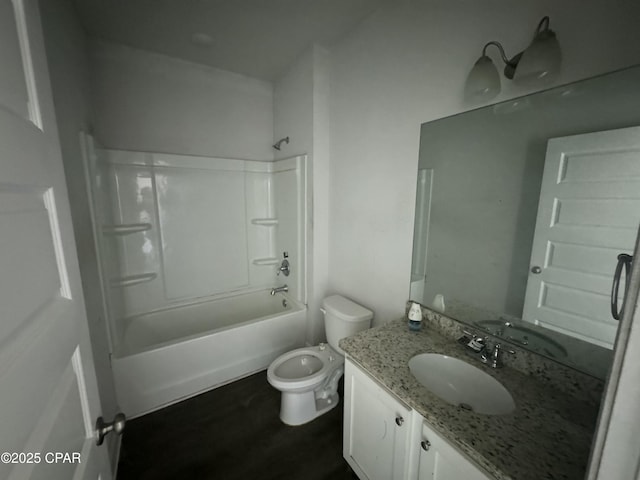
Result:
pixel 297 371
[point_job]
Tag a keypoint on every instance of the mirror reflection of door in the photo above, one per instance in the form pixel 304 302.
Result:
pixel 588 213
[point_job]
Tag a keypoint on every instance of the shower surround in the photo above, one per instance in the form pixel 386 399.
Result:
pixel 189 248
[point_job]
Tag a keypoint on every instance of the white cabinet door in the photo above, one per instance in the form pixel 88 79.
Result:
pixel 376 429
pixel 588 213
pixel 440 461
pixel 48 390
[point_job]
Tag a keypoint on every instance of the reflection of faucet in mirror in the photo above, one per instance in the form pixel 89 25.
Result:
pixel 522 335
pixel 525 221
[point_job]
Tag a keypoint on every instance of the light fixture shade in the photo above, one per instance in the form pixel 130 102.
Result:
pixel 483 81
pixel 540 62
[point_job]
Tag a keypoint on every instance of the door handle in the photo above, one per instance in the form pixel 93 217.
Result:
pixel 103 428
pixel 536 269
pixel 624 261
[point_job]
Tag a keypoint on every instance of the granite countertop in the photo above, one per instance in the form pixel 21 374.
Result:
pixel 548 436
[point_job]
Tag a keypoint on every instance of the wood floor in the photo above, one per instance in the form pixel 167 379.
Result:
pixel 233 432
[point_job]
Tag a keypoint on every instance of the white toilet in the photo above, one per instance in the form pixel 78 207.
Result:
pixel 308 377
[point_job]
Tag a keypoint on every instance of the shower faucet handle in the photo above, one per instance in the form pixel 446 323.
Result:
pixel 284 267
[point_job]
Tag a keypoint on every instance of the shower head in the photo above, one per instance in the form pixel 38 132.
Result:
pixel 279 143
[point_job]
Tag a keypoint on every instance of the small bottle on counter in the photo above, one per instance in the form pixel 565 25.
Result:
pixel 415 317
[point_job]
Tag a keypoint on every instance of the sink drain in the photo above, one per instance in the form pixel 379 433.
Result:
pixel 466 406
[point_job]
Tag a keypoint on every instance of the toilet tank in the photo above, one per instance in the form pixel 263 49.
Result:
pixel 343 318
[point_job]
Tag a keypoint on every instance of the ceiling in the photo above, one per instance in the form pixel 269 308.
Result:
pixel 258 38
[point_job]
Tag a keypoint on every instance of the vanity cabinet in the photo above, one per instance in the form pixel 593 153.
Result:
pixel 386 440
pixel 438 460
pixel 377 428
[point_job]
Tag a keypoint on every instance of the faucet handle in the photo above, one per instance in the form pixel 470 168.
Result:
pixel 475 335
pixel 495 359
pixel 475 342
pixel 284 267
pixel 497 348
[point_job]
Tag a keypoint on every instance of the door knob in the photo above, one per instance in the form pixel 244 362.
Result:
pixel 536 269
pixel 426 445
pixel 103 428
pixel 399 420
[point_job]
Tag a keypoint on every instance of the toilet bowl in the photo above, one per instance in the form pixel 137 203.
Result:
pixel 308 377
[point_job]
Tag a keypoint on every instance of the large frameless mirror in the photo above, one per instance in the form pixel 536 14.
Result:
pixel 522 210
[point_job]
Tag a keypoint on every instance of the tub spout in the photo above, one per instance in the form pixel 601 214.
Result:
pixel 283 288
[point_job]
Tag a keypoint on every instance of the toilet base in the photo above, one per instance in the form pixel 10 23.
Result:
pixel 300 408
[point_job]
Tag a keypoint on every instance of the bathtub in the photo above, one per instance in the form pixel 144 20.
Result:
pixel 177 353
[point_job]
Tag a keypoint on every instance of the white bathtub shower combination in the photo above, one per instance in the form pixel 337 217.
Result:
pixel 179 352
pixel 189 249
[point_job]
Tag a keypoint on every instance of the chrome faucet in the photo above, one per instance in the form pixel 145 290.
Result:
pixel 494 358
pixel 491 356
pixel 283 288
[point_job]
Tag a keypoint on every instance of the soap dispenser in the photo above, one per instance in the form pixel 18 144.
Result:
pixel 415 317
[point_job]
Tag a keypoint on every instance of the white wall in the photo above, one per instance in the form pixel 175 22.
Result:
pixel 68 71
pixel 406 65
pixel 301 112
pixel 293 108
pixel 150 102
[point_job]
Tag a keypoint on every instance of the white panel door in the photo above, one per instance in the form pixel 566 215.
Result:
pixel 48 391
pixel 588 213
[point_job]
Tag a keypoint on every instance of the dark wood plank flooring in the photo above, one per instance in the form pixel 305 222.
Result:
pixel 233 432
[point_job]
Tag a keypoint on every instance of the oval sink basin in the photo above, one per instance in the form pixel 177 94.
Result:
pixel 462 384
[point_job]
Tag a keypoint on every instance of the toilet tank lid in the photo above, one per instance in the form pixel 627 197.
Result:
pixel 346 309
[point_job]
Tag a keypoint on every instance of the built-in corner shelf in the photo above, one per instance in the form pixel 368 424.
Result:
pixel 130 280
pixel 125 228
pixel 267 222
pixel 266 261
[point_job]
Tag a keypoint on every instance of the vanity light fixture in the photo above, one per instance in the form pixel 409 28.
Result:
pixel 538 64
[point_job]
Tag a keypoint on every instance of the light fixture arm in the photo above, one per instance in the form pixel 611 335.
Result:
pixel 545 21
pixel 509 65
pixel 500 48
